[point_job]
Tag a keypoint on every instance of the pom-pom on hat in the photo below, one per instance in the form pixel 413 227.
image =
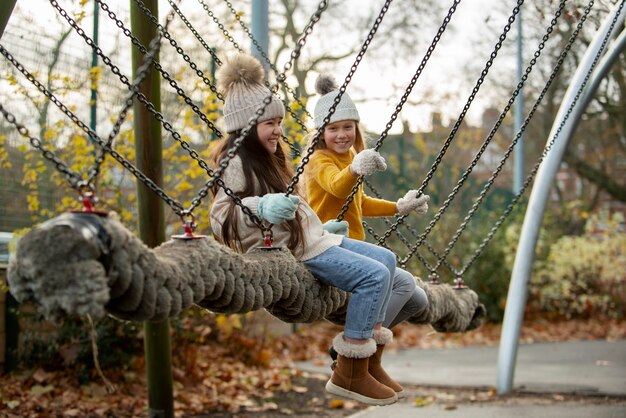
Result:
pixel 326 86
pixel 241 80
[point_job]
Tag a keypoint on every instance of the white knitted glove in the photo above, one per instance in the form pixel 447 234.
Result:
pixel 411 202
pixel 368 162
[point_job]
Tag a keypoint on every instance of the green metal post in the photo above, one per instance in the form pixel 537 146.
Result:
pixel 213 136
pixel 148 146
pixel 6 8
pixel 94 63
pixel 12 327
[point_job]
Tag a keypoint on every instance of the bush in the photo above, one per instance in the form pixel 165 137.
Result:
pixel 584 275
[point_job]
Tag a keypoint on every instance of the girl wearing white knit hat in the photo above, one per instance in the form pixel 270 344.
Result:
pixel 330 175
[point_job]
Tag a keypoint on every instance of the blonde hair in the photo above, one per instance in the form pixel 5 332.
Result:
pixel 359 141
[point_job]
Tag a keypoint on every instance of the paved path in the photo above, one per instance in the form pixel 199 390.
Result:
pixel 575 367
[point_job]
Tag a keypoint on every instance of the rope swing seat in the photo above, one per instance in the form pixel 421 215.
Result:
pixel 83 263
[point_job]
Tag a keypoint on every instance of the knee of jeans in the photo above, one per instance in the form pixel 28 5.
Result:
pixel 419 299
pixel 379 275
pixel 404 282
pixel 390 259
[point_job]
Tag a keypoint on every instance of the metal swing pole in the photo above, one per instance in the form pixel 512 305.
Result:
pixel 149 160
pixel 516 297
pixel 260 30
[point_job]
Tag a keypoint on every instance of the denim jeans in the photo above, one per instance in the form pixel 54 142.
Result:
pixel 406 299
pixel 363 269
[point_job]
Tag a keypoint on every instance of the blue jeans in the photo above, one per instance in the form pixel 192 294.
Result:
pixel 363 269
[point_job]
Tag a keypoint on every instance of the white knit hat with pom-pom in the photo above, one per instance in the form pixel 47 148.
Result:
pixel 241 80
pixel 326 86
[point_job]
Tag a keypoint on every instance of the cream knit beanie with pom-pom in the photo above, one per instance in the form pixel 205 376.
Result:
pixel 241 80
pixel 326 86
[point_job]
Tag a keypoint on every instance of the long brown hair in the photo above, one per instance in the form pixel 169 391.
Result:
pixel 273 173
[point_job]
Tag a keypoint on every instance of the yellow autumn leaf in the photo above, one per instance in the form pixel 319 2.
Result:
pixel 183 186
pixel 336 404
pixel 33 202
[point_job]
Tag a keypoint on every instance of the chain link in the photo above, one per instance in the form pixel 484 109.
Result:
pixel 493 131
pixel 461 117
pixel 406 242
pixel 491 180
pixel 158 116
pixel 195 33
pixel 225 32
pixel 115 70
pixel 549 146
pixel 214 176
pixel 404 98
pixel 504 112
pixel 176 206
pixel 186 58
pixel 71 176
pixel 269 62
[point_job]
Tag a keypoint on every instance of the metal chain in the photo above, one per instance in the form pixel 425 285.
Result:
pixel 482 149
pixel 232 151
pixel 404 98
pixel 177 207
pixel 179 50
pixel 141 97
pixel 71 176
pixel 115 70
pixel 214 176
pixel 304 161
pixel 549 146
pixel 506 155
pixel 135 41
pixel 94 170
pixel 457 124
pixel 404 239
pixel 267 59
pixel 236 45
pixel 225 32
pixel 195 33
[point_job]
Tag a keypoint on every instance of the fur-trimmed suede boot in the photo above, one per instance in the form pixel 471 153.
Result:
pixel 350 377
pixel 383 336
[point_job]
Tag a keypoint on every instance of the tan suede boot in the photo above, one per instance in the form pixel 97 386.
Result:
pixel 383 336
pixel 350 377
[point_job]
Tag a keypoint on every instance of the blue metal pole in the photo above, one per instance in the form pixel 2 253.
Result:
pixel 260 30
pixel 516 298
pixel 518 171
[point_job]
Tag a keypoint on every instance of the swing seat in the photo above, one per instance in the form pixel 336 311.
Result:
pixel 80 263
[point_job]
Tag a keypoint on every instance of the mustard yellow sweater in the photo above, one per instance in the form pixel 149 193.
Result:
pixel 328 184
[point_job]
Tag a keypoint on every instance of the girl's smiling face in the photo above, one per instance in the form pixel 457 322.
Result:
pixel 269 132
pixel 340 136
